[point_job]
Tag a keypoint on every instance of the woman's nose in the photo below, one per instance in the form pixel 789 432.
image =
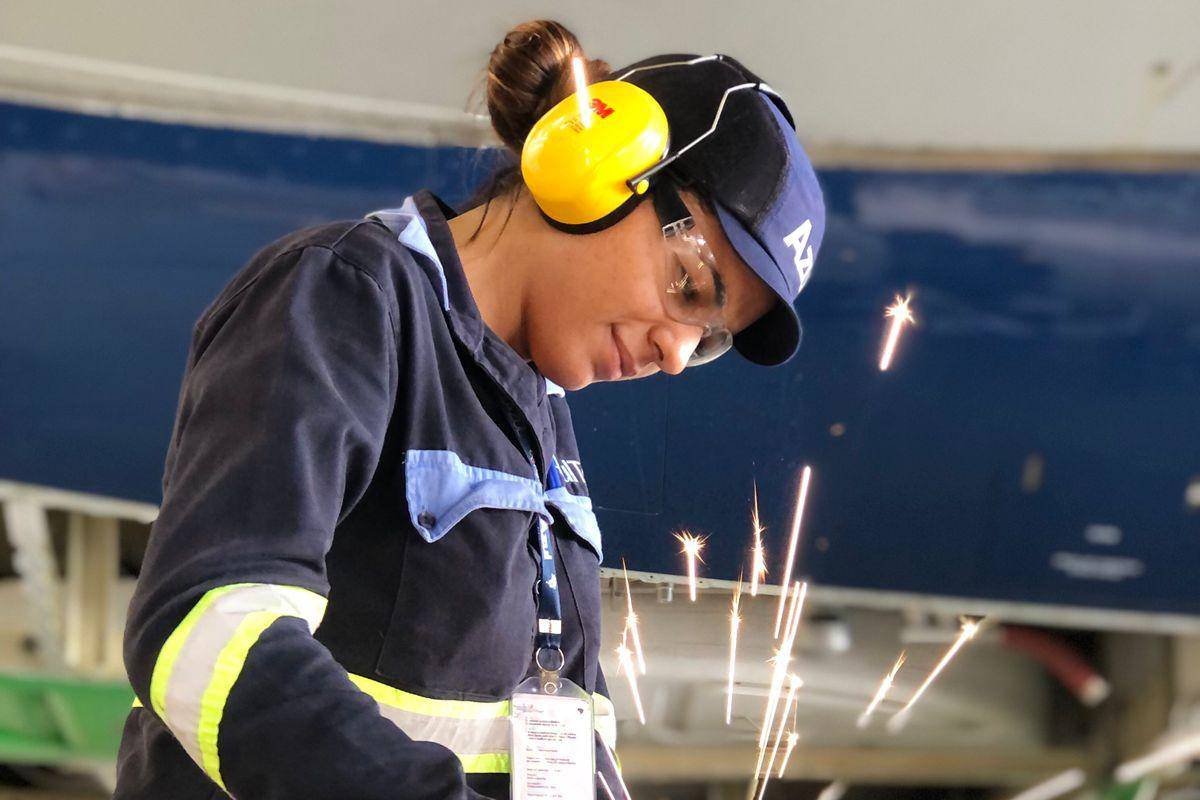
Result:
pixel 674 344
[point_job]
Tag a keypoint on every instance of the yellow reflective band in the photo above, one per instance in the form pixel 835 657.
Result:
pixel 165 663
pixel 137 701
pixel 604 705
pixel 225 674
pixel 605 721
pixel 428 706
pixel 485 762
pixel 204 656
pixel 476 732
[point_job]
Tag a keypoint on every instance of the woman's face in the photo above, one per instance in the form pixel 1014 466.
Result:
pixel 598 314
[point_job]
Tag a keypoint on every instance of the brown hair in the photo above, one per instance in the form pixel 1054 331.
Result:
pixel 527 74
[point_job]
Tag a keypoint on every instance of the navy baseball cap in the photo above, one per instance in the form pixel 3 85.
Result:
pixel 754 171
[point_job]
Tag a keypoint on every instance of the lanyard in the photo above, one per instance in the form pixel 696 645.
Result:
pixel 549 631
pixel 548 639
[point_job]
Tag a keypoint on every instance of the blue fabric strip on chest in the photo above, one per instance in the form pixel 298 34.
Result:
pixel 441 490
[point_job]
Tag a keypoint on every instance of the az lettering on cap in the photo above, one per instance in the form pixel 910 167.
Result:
pixel 802 256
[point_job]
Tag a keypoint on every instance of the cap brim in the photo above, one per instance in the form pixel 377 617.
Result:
pixel 774 337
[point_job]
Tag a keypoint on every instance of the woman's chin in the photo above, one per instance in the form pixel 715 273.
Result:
pixel 575 381
pixel 569 377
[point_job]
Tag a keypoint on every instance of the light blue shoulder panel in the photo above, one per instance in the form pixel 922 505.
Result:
pixel 408 226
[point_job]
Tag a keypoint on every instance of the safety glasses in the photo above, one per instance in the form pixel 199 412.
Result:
pixel 693 290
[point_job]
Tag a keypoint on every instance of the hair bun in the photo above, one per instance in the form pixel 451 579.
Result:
pixel 528 73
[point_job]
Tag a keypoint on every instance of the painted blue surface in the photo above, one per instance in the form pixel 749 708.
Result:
pixel 1059 315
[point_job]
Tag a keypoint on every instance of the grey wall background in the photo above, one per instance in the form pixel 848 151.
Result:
pixel 1020 75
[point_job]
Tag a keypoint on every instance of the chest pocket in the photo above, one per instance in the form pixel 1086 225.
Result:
pixel 441 490
pixel 464 615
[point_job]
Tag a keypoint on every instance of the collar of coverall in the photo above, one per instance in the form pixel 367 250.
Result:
pixel 518 377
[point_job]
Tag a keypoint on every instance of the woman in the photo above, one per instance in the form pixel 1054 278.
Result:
pixel 375 525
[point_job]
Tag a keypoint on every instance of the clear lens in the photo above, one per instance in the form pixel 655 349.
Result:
pixel 694 294
pixel 714 344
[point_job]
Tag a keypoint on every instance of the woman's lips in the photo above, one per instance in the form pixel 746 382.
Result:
pixel 625 367
pixel 612 367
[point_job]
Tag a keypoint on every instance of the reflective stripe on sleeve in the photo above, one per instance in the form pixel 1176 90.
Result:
pixel 477 732
pixel 203 658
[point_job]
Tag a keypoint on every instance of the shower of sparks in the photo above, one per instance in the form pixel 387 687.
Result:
pixel 885 686
pixel 794 683
pixel 797 518
pixel 625 664
pixel 782 658
pixel 692 545
pixel 834 791
pixel 758 553
pixel 581 92
pixel 793 737
pixel 631 623
pixel 1062 783
pixel 1184 748
pixel 966 634
pixel 735 622
pixel 900 314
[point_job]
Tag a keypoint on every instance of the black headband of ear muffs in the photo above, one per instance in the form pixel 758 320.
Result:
pixel 667 200
pixel 664 192
pixel 607 221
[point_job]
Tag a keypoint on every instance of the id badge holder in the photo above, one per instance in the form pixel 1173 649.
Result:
pixel 553 748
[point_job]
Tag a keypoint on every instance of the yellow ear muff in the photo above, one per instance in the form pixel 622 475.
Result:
pixel 577 169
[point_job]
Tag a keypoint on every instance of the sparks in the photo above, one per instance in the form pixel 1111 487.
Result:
pixel 793 737
pixel 797 518
pixel 692 545
pixel 631 623
pixel 758 553
pixel 581 91
pixel 966 634
pixel 734 622
pixel 1185 748
pixel 833 791
pixel 625 664
pixel 1062 783
pixel 782 658
pixel 794 683
pixel 900 314
pixel 885 686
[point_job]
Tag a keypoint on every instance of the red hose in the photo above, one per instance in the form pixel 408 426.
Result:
pixel 1061 660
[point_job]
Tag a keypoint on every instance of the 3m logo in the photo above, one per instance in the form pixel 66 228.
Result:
pixel 802 255
pixel 602 111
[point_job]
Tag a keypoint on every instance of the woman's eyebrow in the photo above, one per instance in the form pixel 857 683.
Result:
pixel 718 281
pixel 719 286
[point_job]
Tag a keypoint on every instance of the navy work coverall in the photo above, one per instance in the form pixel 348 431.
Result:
pixel 338 598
